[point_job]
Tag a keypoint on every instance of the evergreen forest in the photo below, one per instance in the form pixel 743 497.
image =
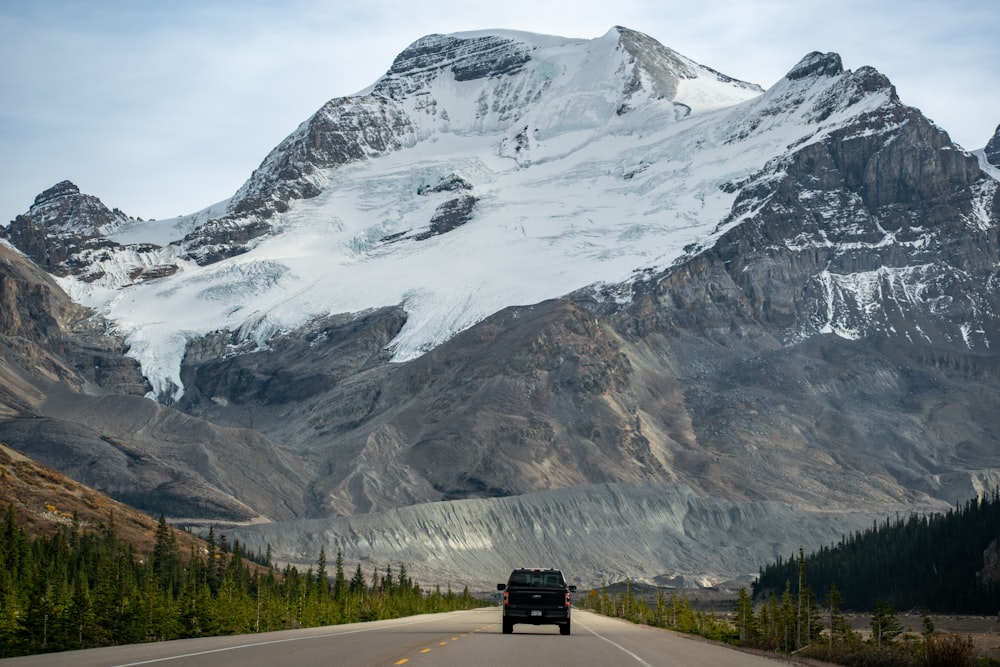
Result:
pixel 938 563
pixel 77 589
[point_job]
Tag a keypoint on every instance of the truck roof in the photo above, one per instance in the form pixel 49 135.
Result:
pixel 537 569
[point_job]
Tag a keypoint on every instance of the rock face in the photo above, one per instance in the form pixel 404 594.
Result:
pixel 874 236
pixel 60 226
pixel 993 149
pixel 71 399
pixel 46 337
pixel 64 208
pixel 67 233
pixel 824 348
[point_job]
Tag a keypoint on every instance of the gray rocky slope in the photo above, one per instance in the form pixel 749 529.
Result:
pixel 71 398
pixel 602 533
pixel 828 355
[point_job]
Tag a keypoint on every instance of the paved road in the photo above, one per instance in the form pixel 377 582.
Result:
pixel 456 639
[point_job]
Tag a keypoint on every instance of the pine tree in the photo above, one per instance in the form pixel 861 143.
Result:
pixel 813 618
pixel 35 625
pixel 839 627
pixel 322 578
pixel 339 582
pixel 358 584
pixel 81 611
pixel 933 561
pixel 211 570
pixel 628 601
pixel 660 609
pixel 799 617
pixel 885 626
pixel 166 558
pixel 686 621
pixel 787 619
pixel 745 616
pixel 766 617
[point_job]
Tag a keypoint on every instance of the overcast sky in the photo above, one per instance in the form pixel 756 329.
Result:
pixel 163 107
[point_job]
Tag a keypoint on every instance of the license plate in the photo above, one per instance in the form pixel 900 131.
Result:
pixel 535 612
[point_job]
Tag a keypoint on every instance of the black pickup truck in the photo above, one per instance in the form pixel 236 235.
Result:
pixel 538 596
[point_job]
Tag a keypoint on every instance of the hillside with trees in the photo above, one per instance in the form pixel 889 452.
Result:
pixel 942 563
pixel 78 589
pixel 80 570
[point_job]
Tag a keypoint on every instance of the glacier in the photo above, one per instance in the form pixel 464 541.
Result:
pixel 578 184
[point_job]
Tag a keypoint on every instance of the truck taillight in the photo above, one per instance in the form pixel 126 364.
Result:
pixel 569 601
pixel 506 598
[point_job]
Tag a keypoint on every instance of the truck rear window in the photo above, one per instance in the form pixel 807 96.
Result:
pixel 536 579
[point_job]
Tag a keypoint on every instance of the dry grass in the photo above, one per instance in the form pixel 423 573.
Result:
pixel 44 499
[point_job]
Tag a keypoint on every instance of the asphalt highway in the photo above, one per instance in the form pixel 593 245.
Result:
pixel 438 640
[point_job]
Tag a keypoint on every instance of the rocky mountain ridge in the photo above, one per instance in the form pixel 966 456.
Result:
pixel 67 232
pixel 70 398
pixel 807 336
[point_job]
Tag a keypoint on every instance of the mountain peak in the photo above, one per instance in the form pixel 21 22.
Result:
pixel 817 64
pixel 64 208
pixel 550 63
pixel 469 56
pixel 60 189
pixel 61 223
pixel 482 83
pixel 665 68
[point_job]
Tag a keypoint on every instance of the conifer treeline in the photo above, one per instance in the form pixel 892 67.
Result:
pixel 795 624
pixel 928 563
pixel 79 589
pixel 675 613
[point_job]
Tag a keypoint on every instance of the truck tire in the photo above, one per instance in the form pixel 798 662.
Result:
pixel 508 627
pixel 564 629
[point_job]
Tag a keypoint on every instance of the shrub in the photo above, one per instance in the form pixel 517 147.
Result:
pixel 949 651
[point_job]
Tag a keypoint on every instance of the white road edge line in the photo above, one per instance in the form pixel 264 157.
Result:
pixel 264 643
pixel 616 645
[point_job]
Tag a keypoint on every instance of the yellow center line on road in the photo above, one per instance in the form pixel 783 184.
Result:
pixel 403 661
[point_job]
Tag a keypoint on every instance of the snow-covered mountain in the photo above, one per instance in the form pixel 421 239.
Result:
pixel 541 142
pixel 521 263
